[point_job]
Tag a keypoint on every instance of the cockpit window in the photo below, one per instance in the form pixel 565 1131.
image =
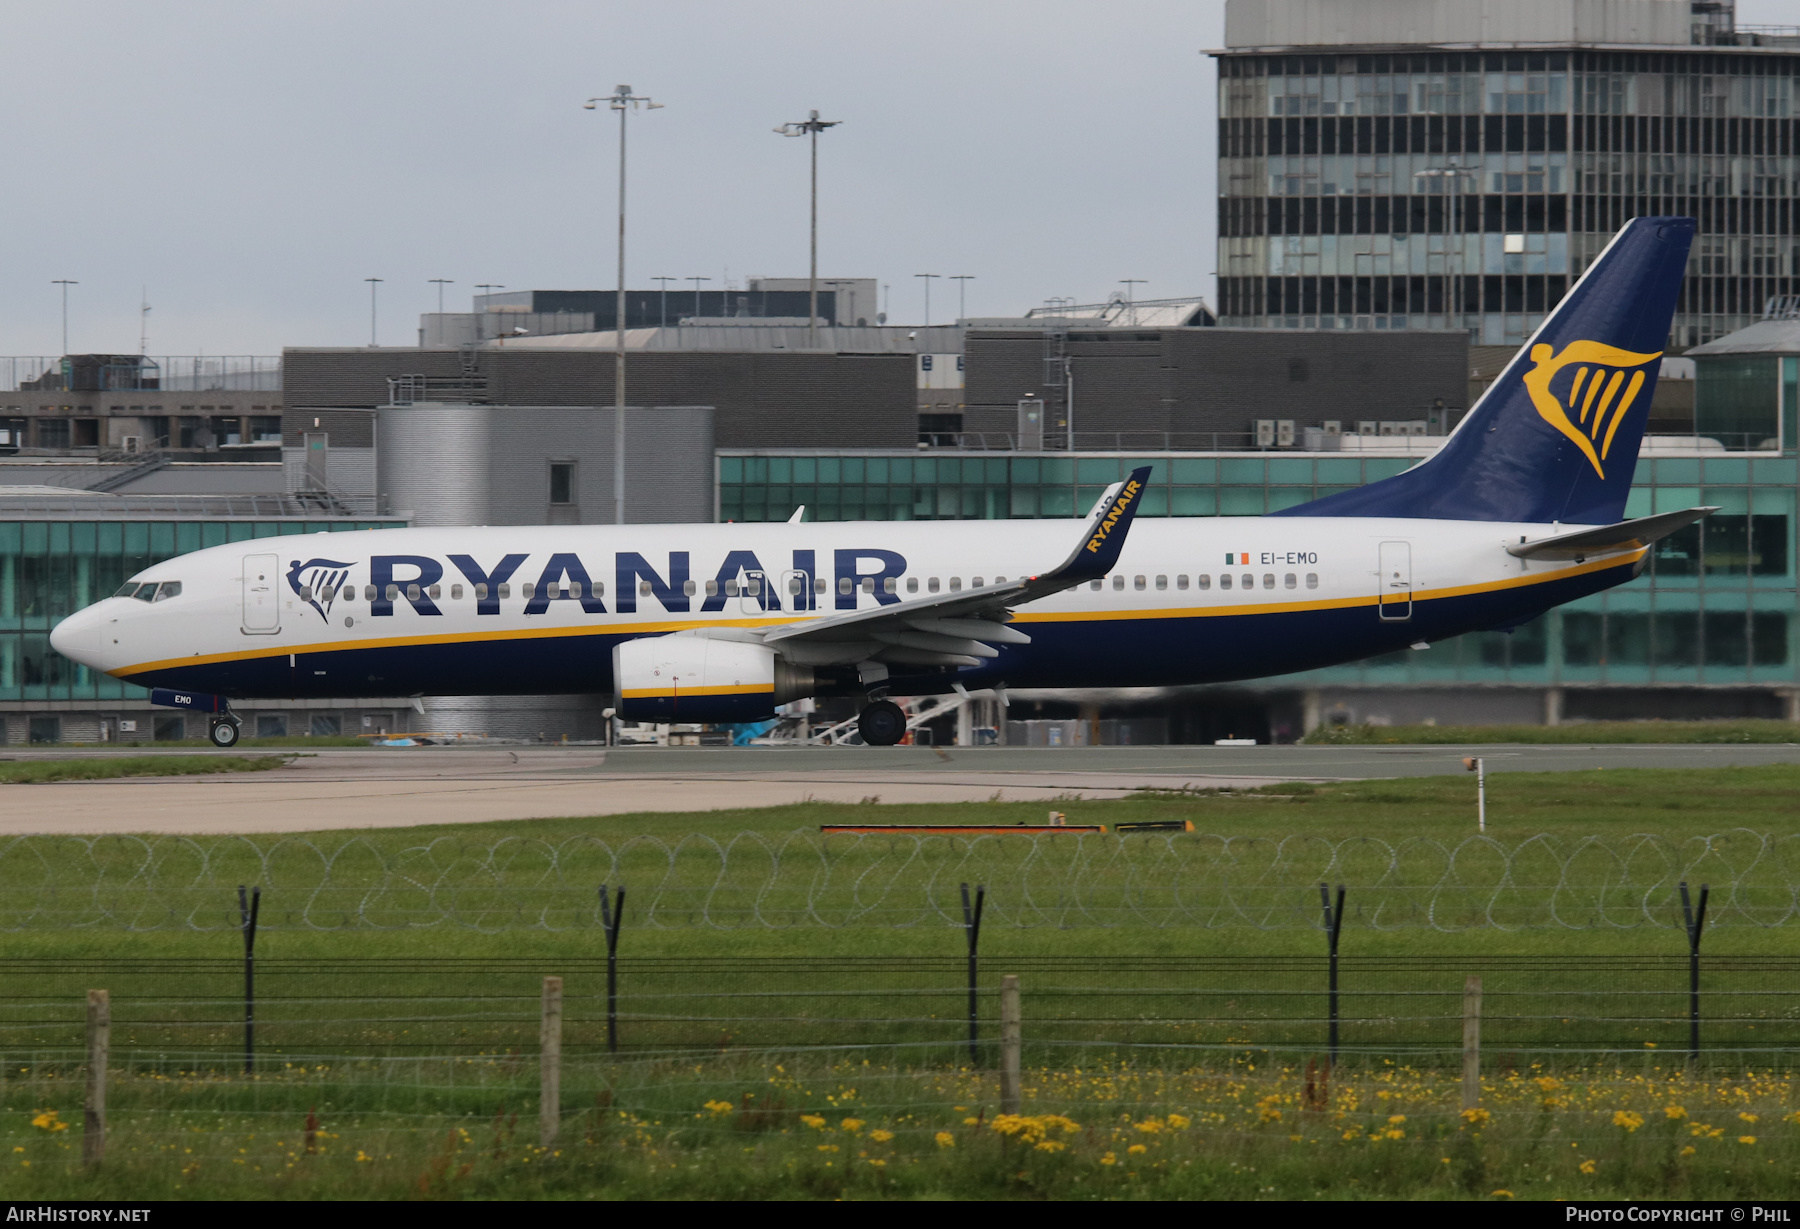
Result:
pixel 129 590
pixel 146 593
pixel 166 590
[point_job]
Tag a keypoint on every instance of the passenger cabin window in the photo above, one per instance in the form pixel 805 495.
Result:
pixel 956 584
pixel 1119 582
pixel 1181 581
pixel 1312 580
pixel 731 588
pixel 481 592
pixel 1137 582
pixel 687 588
pixel 1268 580
pixel 1290 580
pixel 368 593
pixel 1224 580
pixel 1249 581
pixel 506 590
pixel 932 584
pixel 975 582
pixel 844 585
pixel 912 584
pixel 712 588
pixel 643 589
pixel 1095 585
pixel 1203 581
pixel 868 584
pixel 434 593
pixel 819 584
pixel 529 590
pixel 890 585
pixel 1162 582
pixel 393 593
pixel 456 593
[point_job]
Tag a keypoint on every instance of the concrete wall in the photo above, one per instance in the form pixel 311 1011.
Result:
pixel 1205 380
pixel 770 399
pixel 490 465
pixel 1381 23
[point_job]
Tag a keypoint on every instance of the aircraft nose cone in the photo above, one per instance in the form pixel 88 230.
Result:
pixel 78 638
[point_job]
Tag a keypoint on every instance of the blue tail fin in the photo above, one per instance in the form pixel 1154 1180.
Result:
pixel 1556 437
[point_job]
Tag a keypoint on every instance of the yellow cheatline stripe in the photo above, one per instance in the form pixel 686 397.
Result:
pixel 1344 603
pixel 390 642
pixel 644 629
pixel 639 693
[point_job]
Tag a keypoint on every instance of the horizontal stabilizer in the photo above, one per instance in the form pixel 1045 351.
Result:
pixel 1626 535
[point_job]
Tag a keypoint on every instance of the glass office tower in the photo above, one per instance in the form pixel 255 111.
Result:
pixel 1419 184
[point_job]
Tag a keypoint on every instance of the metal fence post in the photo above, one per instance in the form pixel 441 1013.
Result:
pixel 550 1062
pixel 1471 1084
pixel 1334 924
pixel 1696 923
pixel 972 931
pixel 99 1038
pixel 1011 1036
pixel 247 911
pixel 612 915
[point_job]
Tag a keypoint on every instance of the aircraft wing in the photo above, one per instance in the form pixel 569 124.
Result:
pixel 961 628
pixel 1626 535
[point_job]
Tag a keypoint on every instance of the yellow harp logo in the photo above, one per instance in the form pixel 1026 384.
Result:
pixel 1590 404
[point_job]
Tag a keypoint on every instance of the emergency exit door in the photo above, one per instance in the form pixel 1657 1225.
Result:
pixel 1394 601
pixel 262 609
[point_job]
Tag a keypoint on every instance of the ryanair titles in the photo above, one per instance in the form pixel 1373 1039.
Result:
pixel 1120 506
pixel 394 581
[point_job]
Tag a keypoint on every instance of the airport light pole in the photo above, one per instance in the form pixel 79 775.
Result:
pixel 927 277
pixel 962 281
pixel 664 317
pixel 1450 175
pixel 697 281
pixel 624 102
pixel 65 283
pixel 1130 297
pixel 373 283
pixel 440 283
pixel 812 126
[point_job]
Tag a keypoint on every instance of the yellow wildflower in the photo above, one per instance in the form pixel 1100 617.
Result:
pixel 881 1137
pixel 1689 1150
pixel 1476 1117
pixel 1628 1120
pixel 1395 1120
pixel 46 1120
pixel 719 1107
pixel 852 1125
pixel 1748 1117
pixel 1674 1112
pixel 828 1147
pixel 945 1139
pixel 1746 1139
pixel 1588 1167
pixel 1136 1148
pixel 1178 1122
pixel 1109 1159
pixel 1050 1145
pixel 815 1121
pixel 1150 1126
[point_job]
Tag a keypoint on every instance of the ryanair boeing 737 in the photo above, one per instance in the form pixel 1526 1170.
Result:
pixel 1520 510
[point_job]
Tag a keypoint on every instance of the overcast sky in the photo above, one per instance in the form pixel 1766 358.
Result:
pixel 251 164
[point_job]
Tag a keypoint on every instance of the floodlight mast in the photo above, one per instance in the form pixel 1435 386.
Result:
pixel 812 126
pixel 623 101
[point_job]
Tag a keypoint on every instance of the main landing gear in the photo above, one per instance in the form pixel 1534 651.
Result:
pixel 882 724
pixel 225 730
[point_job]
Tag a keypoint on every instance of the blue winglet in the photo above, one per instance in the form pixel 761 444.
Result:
pixel 1106 530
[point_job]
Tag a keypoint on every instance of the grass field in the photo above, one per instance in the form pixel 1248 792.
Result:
pixel 817 1125
pixel 1578 733
pixel 419 1077
pixel 98 768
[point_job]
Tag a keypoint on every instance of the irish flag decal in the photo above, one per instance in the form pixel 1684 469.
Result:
pixel 1236 560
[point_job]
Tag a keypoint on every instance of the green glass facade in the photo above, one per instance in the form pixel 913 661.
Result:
pixel 49 569
pixel 1717 605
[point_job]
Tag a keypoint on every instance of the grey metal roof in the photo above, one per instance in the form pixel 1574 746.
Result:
pixel 1763 337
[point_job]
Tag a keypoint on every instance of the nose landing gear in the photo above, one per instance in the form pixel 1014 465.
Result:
pixel 225 730
pixel 882 724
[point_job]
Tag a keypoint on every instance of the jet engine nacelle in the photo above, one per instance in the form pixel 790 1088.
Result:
pixel 698 678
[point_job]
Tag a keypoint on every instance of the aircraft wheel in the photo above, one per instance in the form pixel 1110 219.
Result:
pixel 882 724
pixel 224 732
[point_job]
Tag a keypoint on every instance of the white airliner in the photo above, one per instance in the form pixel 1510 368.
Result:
pixel 1521 510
